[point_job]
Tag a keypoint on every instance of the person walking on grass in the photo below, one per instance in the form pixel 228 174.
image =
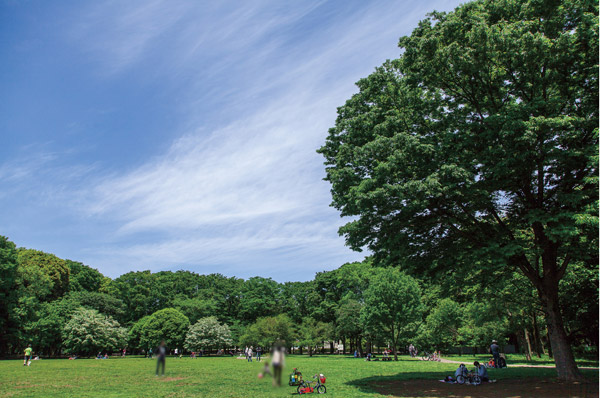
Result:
pixel 161 354
pixel 28 352
pixel 249 354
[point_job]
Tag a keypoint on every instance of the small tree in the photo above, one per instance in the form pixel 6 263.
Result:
pixel 392 307
pixel 89 331
pixel 207 333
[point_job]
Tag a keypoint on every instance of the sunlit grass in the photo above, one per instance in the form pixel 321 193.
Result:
pixel 217 377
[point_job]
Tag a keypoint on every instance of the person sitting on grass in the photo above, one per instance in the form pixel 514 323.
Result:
pixel 481 371
pixel 461 371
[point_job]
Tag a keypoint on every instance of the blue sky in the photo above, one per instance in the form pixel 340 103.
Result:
pixel 170 135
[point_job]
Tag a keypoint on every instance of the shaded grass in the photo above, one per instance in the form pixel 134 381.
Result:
pixel 218 377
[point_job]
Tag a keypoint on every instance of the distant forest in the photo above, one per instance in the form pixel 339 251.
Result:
pixel 64 307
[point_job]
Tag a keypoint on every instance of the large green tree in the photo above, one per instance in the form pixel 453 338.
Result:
pixel 393 308
pixel 167 324
pixel 483 137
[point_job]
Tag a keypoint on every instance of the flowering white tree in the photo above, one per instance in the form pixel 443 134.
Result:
pixel 88 332
pixel 207 333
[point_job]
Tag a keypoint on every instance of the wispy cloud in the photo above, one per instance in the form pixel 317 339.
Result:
pixel 254 86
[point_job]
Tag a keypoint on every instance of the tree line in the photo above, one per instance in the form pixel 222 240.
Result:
pixel 64 307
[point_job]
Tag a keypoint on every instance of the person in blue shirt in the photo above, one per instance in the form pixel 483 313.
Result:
pixel 481 371
pixel 461 371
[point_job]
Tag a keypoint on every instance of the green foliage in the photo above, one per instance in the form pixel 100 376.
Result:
pixel 83 278
pixel 294 299
pixel 207 333
pixel 392 308
pixel 195 308
pixel 89 332
pixel 311 333
pixel 102 302
pixel 43 275
pixel 579 302
pixel 8 294
pixel 135 337
pixel 347 318
pixel 441 329
pixel 167 324
pixel 482 138
pixel 267 331
pixel 259 298
pixel 138 292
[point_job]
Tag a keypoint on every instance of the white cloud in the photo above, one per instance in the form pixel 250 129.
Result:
pixel 240 186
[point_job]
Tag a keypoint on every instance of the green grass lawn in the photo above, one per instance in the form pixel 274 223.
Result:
pixel 517 359
pixel 218 377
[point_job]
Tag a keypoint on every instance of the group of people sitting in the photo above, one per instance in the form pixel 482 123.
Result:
pixel 462 370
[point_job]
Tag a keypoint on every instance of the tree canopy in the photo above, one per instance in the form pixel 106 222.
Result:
pixel 481 137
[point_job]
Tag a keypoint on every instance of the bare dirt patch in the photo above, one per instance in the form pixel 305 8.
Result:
pixel 517 388
pixel 171 378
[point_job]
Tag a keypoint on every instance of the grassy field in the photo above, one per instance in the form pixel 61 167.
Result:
pixel 220 377
pixel 518 359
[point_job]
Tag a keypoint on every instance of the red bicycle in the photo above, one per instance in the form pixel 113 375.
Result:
pixel 307 388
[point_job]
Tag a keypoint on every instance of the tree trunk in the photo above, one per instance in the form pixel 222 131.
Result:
pixel 528 352
pixel 395 352
pixel 566 368
pixel 537 340
pixel 549 343
pixel 359 344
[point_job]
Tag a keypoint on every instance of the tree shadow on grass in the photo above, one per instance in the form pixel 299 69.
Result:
pixel 427 384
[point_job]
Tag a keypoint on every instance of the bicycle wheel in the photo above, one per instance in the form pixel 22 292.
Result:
pixel 460 379
pixel 476 380
pixel 299 389
pixel 321 389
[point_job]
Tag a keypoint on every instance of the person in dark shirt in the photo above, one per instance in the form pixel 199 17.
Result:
pixel 495 351
pixel 161 354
